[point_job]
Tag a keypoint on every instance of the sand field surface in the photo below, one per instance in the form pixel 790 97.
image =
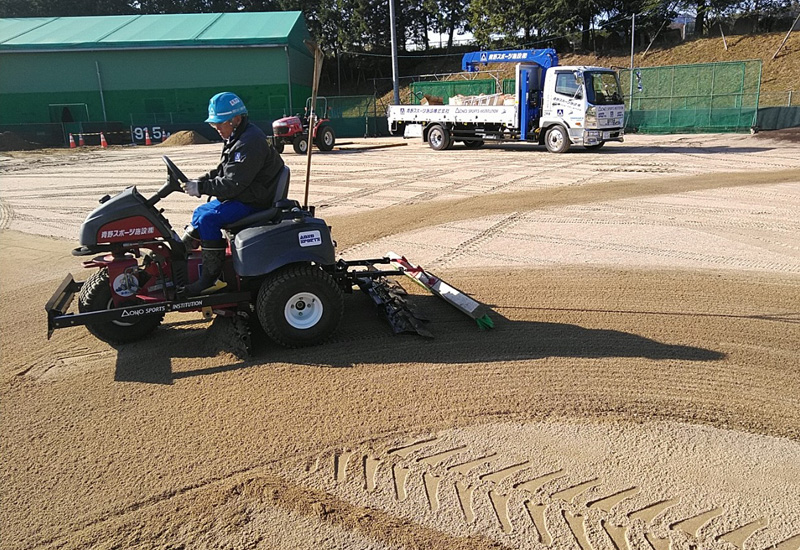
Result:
pixel 640 389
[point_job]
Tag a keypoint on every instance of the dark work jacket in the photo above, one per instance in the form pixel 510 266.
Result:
pixel 247 170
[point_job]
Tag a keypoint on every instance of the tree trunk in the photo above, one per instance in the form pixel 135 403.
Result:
pixel 700 19
pixel 586 42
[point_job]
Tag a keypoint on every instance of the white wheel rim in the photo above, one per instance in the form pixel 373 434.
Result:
pixel 436 138
pixel 303 310
pixel 328 138
pixel 556 139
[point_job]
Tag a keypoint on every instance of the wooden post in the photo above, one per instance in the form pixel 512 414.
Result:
pixel 785 38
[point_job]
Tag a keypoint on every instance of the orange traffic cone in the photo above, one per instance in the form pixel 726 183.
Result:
pixel 80 140
pixel 72 142
pixel 147 140
pixel 103 142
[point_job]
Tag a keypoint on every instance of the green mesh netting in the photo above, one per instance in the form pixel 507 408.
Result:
pixel 705 97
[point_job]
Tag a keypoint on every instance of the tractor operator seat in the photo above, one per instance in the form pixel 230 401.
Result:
pixel 265 216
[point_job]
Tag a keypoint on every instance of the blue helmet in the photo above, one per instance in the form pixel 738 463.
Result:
pixel 224 106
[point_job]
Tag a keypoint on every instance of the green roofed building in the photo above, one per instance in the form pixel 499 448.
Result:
pixel 148 70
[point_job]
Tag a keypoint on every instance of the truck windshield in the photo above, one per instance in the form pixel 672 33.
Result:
pixel 602 88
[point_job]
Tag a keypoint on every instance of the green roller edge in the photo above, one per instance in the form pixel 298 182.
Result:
pixel 485 322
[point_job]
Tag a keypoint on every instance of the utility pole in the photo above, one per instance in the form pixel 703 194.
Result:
pixel 633 34
pixel 395 81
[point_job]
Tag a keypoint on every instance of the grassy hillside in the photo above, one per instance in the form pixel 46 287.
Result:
pixel 778 75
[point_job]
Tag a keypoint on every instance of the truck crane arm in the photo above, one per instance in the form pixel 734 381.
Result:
pixel 546 58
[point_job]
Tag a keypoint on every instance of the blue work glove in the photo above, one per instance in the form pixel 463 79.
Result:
pixel 192 188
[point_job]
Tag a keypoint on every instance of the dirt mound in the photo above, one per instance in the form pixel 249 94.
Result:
pixel 185 137
pixel 786 134
pixel 9 141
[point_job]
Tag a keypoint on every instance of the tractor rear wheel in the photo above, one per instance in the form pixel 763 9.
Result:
pixel 95 295
pixel 325 139
pixel 300 144
pixel 300 305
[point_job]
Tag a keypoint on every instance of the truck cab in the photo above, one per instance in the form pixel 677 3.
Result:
pixel 584 102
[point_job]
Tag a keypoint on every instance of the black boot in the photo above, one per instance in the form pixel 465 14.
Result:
pixel 191 239
pixel 213 259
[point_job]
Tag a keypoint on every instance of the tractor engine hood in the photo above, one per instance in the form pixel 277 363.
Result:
pixel 125 217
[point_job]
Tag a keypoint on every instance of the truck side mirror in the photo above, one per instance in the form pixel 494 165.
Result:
pixel 578 78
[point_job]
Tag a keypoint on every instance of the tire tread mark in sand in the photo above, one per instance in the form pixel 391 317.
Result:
pixel 431 483
pixel 464 494
pixel 608 502
pixel 473 242
pixel 500 505
pixel 650 512
pixel 577 527
pixel 6 214
pixel 536 513
pixel 792 543
pixel 432 470
pixel 642 250
pixel 571 493
pixel 693 524
pixel 741 534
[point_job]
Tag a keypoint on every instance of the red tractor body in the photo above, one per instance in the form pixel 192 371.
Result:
pixel 295 130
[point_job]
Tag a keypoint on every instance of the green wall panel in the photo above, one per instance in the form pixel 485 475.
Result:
pixel 176 84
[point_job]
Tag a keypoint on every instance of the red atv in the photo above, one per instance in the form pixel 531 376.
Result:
pixel 294 130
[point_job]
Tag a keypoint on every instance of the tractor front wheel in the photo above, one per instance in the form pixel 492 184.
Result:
pixel 278 145
pixel 300 144
pixel 95 295
pixel 300 305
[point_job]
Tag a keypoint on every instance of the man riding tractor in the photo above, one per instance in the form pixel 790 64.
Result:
pixel 243 182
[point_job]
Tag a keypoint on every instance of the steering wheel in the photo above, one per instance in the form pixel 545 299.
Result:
pixel 174 170
pixel 176 177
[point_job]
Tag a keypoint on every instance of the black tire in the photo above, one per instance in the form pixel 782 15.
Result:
pixel 300 305
pixel 439 138
pixel 473 143
pixel 325 139
pixel 300 144
pixel 594 147
pixel 557 140
pixel 95 295
pixel 278 145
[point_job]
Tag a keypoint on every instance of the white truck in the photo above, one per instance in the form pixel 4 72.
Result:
pixel 552 105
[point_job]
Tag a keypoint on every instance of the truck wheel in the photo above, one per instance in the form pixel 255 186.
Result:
pixel 594 147
pixel 325 138
pixel 95 295
pixel 473 143
pixel 300 305
pixel 439 138
pixel 557 140
pixel 278 146
pixel 300 144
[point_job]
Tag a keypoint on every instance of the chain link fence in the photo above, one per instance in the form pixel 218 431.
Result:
pixel 704 97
